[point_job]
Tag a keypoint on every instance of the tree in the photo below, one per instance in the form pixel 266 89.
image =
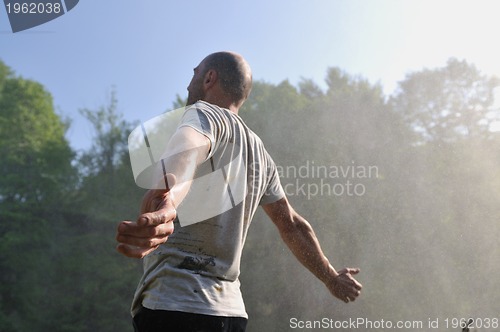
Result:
pixel 5 73
pixel 58 264
pixel 448 103
pixel 97 282
pixel 109 143
pixel 426 224
pixel 36 158
pixel 36 177
pixel 107 194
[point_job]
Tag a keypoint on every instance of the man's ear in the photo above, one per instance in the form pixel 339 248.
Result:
pixel 210 78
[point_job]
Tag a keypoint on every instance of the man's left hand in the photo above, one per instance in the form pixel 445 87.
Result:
pixel 344 286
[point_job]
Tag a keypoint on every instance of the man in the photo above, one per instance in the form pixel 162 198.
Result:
pixel 190 280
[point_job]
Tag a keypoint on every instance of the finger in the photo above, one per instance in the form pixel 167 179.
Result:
pixel 352 298
pixel 134 252
pixel 145 243
pixel 357 285
pixel 130 229
pixel 352 295
pixel 125 227
pixel 144 236
pixel 354 292
pixel 133 229
pixel 349 270
pixel 351 282
pixel 354 284
pixel 156 217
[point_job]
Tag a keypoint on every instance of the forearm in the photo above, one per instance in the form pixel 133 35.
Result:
pixel 302 241
pixel 299 236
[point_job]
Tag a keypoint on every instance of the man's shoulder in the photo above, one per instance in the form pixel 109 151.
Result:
pixel 205 106
pixel 216 112
pixel 223 115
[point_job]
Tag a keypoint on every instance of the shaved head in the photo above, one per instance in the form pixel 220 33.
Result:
pixel 233 72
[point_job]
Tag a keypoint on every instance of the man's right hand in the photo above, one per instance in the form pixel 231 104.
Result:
pixel 153 226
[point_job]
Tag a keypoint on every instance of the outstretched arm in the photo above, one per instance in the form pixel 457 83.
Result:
pixel 299 236
pixel 185 151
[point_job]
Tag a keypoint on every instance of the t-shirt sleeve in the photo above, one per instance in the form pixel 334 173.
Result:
pixel 199 121
pixel 274 190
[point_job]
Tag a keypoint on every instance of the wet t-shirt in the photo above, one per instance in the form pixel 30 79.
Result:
pixel 197 269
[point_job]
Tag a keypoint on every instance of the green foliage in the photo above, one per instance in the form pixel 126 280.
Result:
pixel 424 232
pixel 105 167
pixel 110 141
pixel 448 103
pixel 5 73
pixel 36 158
pixel 59 270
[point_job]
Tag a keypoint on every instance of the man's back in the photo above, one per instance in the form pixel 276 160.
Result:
pixel 197 269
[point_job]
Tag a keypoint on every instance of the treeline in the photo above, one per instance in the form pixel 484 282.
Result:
pixel 423 228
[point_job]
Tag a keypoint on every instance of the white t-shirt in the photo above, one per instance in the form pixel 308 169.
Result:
pixel 197 269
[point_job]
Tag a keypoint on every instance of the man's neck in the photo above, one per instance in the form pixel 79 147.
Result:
pixel 224 104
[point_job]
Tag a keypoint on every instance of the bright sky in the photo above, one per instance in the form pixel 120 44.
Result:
pixel 147 49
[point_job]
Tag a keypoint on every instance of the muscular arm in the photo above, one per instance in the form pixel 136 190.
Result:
pixel 299 236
